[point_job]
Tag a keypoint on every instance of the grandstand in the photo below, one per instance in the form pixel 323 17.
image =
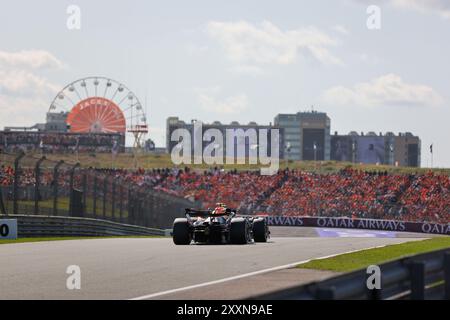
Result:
pixel 60 142
pixel 415 197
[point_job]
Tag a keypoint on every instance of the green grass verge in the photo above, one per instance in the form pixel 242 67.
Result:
pixel 46 207
pixel 362 259
pixel 25 240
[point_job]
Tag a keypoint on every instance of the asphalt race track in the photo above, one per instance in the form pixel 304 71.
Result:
pixel 143 267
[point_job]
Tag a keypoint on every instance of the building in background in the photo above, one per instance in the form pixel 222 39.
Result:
pixel 174 123
pixel 400 150
pixel 306 135
pixel 407 150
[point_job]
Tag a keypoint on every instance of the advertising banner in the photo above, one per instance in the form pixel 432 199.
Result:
pixel 370 224
pixel 8 229
pixel 370 149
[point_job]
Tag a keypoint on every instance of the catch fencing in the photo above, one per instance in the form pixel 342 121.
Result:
pixel 32 185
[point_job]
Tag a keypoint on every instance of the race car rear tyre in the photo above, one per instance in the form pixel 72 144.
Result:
pixel 181 233
pixel 259 230
pixel 239 231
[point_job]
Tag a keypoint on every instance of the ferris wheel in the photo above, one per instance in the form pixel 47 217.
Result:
pixel 101 105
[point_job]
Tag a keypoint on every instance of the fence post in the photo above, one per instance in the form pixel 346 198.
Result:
pixel 121 203
pixel 72 173
pixel 146 209
pixel 113 199
pixel 105 190
pixel 141 209
pixel 2 205
pixel 37 174
pixel 84 190
pixel 55 187
pixel 94 197
pixel 447 274
pixel 130 206
pixel 417 272
pixel 16 182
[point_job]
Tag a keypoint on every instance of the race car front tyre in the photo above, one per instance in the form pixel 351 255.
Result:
pixel 259 230
pixel 181 233
pixel 239 231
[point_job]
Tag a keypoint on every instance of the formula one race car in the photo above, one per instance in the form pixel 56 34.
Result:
pixel 220 225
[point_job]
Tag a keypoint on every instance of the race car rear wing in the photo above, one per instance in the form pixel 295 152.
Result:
pixel 209 213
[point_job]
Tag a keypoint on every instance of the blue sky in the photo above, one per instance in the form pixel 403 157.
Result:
pixel 239 60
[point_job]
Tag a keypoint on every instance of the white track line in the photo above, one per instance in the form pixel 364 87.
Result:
pixel 245 275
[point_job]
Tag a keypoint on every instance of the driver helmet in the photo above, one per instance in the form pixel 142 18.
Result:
pixel 220 208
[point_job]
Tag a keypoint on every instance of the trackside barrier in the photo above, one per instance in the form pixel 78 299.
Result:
pixel 367 224
pixel 424 276
pixel 50 226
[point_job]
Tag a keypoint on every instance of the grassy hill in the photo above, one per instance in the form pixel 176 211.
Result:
pixel 149 161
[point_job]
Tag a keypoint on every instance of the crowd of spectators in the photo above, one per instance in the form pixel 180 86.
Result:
pixel 379 195
pixel 27 177
pixel 351 193
pixel 362 194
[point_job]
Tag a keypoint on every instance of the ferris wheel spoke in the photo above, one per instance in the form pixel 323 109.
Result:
pixel 88 114
pixel 68 98
pixel 80 126
pixel 79 122
pixel 85 116
pixel 123 99
pixel 97 112
pixel 105 112
pixel 135 117
pixel 114 94
pixel 60 106
pixel 131 106
pixel 111 115
pixel 86 90
pixel 102 114
pixel 106 89
pixel 96 83
pixel 78 94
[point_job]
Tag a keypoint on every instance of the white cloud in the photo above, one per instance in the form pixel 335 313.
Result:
pixel 248 70
pixel 247 43
pixel 21 83
pixel 440 7
pixel 22 111
pixel 210 102
pixel 34 59
pixel 24 95
pixel 341 29
pixel 24 98
pixel 196 49
pixel 387 90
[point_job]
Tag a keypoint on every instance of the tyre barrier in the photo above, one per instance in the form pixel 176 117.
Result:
pixel 419 277
pixel 51 226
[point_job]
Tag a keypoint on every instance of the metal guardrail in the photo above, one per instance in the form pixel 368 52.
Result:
pixel 420 277
pixel 50 226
